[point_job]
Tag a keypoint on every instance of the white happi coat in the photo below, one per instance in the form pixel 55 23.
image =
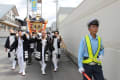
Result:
pixel 55 45
pixel 20 48
pixel 43 49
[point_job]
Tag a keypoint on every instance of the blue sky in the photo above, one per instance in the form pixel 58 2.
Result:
pixel 49 7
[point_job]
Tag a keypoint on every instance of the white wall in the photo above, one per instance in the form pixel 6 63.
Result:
pixel 62 17
pixel 74 27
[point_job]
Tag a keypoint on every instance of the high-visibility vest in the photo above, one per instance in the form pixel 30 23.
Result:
pixel 92 58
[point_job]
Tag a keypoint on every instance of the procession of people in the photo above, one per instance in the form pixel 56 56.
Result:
pixel 23 46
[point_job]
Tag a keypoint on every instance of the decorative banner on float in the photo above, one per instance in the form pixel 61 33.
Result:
pixel 34 5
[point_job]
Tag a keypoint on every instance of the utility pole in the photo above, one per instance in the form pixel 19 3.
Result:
pixel 41 8
pixel 27 14
pixel 27 8
pixel 57 14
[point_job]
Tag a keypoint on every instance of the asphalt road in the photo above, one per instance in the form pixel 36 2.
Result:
pixel 67 70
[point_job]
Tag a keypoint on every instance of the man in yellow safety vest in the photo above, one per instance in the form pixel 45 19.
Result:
pixel 90 53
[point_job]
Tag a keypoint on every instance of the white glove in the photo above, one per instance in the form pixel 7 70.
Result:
pixel 81 70
pixel 100 58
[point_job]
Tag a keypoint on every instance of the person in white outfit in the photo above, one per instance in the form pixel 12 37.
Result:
pixel 42 48
pixel 20 57
pixel 10 42
pixel 22 54
pixel 56 52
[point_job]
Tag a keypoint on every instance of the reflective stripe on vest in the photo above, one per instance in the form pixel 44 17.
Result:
pixel 92 58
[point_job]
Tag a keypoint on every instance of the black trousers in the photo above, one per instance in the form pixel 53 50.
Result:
pixel 94 71
pixel 30 51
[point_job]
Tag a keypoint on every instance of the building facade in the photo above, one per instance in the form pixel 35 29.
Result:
pixel 8 15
